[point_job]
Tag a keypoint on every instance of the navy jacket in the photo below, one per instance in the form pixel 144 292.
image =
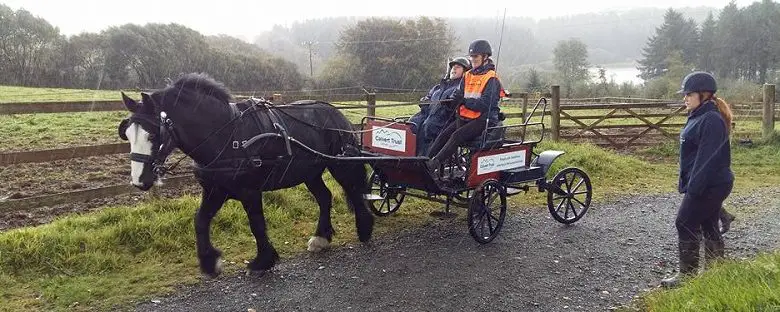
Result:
pixel 488 102
pixel 431 119
pixel 705 151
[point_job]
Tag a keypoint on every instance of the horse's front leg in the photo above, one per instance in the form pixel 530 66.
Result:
pixel 266 254
pixel 212 200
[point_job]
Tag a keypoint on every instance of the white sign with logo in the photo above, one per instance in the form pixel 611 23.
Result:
pixel 498 162
pixel 388 138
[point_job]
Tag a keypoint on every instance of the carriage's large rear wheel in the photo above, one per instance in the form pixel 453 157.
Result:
pixel 487 211
pixel 384 199
pixel 568 195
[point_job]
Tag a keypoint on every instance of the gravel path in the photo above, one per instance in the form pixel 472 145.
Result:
pixel 614 253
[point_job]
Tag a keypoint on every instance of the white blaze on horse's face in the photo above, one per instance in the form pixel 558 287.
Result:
pixel 139 144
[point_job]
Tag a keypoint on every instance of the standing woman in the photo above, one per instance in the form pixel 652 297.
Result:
pixel 706 178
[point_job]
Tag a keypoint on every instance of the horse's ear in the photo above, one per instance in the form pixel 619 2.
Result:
pixel 131 104
pixel 146 99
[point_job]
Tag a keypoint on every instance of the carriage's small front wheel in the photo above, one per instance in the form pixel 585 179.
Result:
pixel 487 211
pixel 385 199
pixel 568 195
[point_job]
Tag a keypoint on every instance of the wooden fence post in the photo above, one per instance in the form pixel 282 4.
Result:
pixel 769 111
pixel 555 113
pixel 371 100
pixel 525 106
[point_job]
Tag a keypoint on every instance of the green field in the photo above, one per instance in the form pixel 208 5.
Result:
pixel 9 94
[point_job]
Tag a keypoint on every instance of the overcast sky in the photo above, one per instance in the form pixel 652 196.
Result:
pixel 246 19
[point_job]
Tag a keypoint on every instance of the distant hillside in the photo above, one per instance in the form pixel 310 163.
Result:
pixel 612 37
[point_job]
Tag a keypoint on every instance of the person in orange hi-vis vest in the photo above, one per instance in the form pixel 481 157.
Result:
pixel 476 102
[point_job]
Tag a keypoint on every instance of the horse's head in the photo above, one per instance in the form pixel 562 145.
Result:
pixel 144 132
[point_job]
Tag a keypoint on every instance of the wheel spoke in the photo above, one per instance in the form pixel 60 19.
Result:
pixel 578 185
pixel 568 183
pixel 558 210
pixel 581 204
pixel 566 213
pixel 494 218
pixel 482 225
pixel 572 209
pixel 489 222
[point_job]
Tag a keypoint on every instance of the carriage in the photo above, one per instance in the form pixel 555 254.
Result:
pixel 479 177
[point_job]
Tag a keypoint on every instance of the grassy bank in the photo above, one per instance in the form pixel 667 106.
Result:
pixel 730 286
pixel 122 254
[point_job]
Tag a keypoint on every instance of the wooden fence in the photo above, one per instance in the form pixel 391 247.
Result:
pixel 608 121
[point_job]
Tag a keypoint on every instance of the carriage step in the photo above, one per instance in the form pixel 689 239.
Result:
pixel 522 174
pixel 514 191
pixel 521 169
pixel 372 197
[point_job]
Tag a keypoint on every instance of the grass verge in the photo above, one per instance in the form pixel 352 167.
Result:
pixel 118 255
pixel 730 286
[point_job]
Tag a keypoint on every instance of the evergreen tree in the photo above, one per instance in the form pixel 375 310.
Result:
pixel 675 34
pixel 534 81
pixel 707 51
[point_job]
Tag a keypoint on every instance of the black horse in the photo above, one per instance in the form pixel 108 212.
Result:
pixel 195 115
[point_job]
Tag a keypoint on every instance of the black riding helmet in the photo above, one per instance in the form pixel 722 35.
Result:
pixel 480 46
pixel 698 82
pixel 462 61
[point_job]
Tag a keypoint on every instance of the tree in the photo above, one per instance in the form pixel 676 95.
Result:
pixel 675 34
pixel 707 51
pixel 731 44
pixel 571 62
pixel 534 81
pixel 27 44
pixel 83 61
pixel 397 53
pixel 764 26
pixel 603 84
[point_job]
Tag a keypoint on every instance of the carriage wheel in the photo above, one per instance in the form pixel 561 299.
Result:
pixel 568 195
pixel 487 211
pixel 464 196
pixel 391 196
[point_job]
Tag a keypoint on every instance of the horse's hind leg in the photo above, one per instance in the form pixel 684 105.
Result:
pixel 324 234
pixel 352 177
pixel 252 201
pixel 212 200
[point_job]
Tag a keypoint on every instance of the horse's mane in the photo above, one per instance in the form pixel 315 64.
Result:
pixel 202 83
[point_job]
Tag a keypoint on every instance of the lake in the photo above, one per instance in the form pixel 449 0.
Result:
pixel 619 72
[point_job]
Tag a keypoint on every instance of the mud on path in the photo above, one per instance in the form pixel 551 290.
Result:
pixel 616 252
pixel 38 179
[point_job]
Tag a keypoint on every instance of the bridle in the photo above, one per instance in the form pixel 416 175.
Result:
pixel 162 147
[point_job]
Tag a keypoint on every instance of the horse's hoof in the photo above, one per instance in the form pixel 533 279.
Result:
pixel 218 266
pixel 317 244
pixel 256 273
pixel 217 269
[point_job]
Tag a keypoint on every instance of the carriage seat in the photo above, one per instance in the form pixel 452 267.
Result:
pixel 494 139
